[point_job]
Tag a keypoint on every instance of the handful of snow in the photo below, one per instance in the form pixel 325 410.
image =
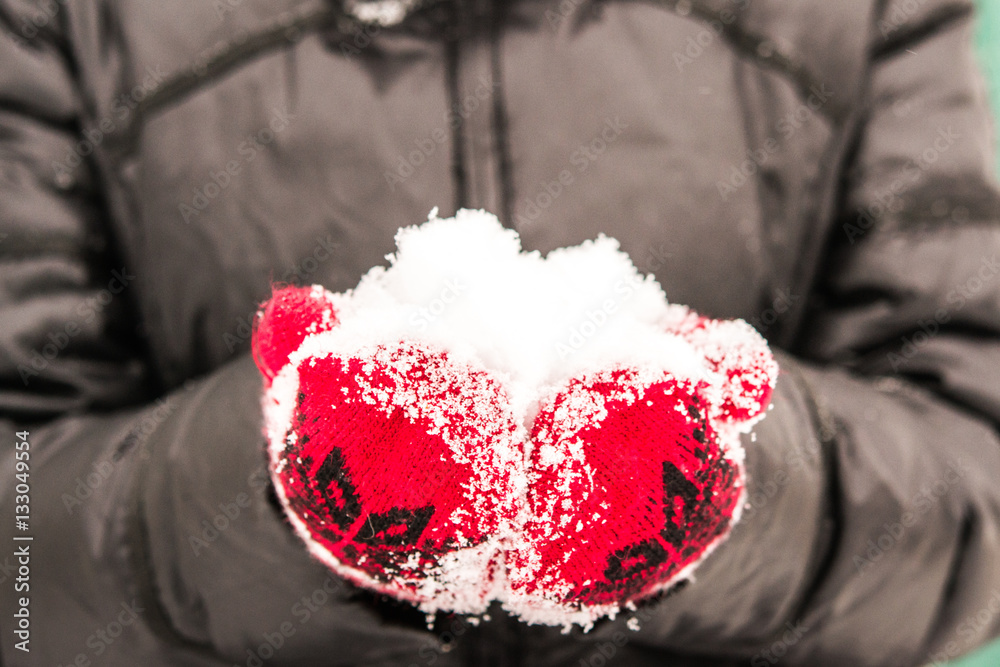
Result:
pixel 478 423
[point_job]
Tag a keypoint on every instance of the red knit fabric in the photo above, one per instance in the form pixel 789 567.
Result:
pixel 397 462
pixel 379 485
pixel 291 314
pixel 649 489
pixel 733 349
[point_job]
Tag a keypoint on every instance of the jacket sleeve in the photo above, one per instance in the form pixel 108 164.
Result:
pixel 154 538
pixel 872 526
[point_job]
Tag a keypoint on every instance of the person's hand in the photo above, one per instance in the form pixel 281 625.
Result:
pixel 404 470
pixel 636 475
pixel 396 463
pixel 225 570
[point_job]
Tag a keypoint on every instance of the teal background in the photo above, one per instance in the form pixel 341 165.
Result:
pixel 988 45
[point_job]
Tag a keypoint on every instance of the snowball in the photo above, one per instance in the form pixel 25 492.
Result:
pixel 464 284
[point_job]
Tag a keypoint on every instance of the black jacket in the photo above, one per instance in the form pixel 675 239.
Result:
pixel 821 169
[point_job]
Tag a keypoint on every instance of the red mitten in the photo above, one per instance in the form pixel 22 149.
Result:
pixel 477 423
pixel 636 475
pixel 392 461
pixel 734 351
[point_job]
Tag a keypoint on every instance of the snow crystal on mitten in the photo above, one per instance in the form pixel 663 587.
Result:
pixel 474 422
pixel 736 354
pixel 395 462
pixel 635 477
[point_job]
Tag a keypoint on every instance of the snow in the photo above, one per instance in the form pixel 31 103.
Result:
pixel 465 285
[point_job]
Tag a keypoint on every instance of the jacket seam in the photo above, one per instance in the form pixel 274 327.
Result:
pixel 756 48
pixel 769 219
pixel 967 528
pixel 500 120
pixel 141 561
pixel 452 50
pixel 811 260
pixel 286 29
pixel 827 430
pixel 939 19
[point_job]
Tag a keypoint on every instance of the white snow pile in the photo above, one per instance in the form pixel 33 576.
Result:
pixel 465 285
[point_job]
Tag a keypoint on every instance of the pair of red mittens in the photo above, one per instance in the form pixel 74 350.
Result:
pixel 404 468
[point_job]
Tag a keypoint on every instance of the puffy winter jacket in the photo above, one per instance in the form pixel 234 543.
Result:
pixel 821 169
